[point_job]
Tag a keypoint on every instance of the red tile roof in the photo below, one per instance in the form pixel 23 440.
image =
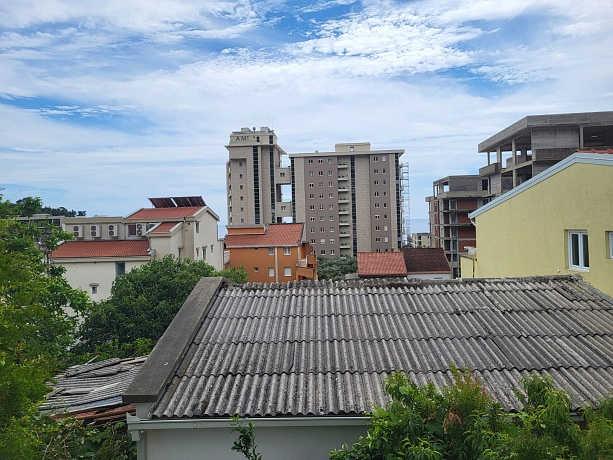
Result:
pixel 426 260
pixel 120 248
pixel 381 263
pixel 164 227
pixel 165 213
pixel 276 235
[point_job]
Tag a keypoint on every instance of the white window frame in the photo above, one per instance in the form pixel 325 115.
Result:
pixel 287 271
pixel 271 272
pixel 610 244
pixel 581 234
pixel 287 251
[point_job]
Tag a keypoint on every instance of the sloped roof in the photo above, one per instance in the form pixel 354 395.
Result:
pixel 93 390
pixel 166 213
pixel 381 264
pixel 276 235
pixel 323 348
pixel 425 260
pixel 102 248
pixel 164 227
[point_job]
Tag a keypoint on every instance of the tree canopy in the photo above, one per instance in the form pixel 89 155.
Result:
pixel 144 301
pixel 335 268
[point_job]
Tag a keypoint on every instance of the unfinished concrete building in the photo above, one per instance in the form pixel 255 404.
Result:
pixel 514 155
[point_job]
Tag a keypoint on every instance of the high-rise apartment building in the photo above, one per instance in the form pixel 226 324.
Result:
pixel 348 199
pixel 254 176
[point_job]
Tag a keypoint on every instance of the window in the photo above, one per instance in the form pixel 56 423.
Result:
pixel 385 216
pixel 385 228
pixel 120 268
pixel 376 171
pixel 331 229
pixel 320 161
pixel 330 184
pixel 375 159
pixel 376 194
pixel 197 227
pixel 331 218
pixel 332 252
pixel 383 171
pixel 240 176
pixel 312 207
pixel 242 209
pixel 610 245
pixel 310 161
pixel 321 196
pixel 320 173
pixel 322 217
pixel 203 252
pixel 329 160
pixel 255 249
pixel 271 251
pixel 242 221
pixel 322 241
pixel 331 207
pixel 312 240
pixel 330 195
pixel 385 205
pixel 283 208
pixel 311 196
pixel 271 271
pixel 281 174
pixel 312 229
pixel 384 182
pixel 312 219
pixel 329 173
pixel 331 240
pixel 321 207
pixel 256 269
pixel 321 184
pixel 240 163
pixel 384 193
pixel 383 158
pixel 242 198
pixel 578 251
pixel 377 216
pixel 287 271
pixel 311 173
pixel 377 228
pixel 376 182
pixel 323 252
pixel 95 289
pixel 287 251
pixel 197 253
pixel 386 240
pixel 240 187
pixel 351 149
pixel 322 229
pixel 311 185
pixel 376 205
pixel 377 239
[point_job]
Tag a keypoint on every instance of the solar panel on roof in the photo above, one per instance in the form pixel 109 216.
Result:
pixel 178 202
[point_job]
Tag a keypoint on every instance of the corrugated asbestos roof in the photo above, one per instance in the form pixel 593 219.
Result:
pixel 322 348
pixel 92 390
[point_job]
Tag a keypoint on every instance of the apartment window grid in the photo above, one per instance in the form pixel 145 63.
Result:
pixel 273 200
pixel 256 184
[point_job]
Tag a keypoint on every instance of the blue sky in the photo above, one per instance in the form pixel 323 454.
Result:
pixel 104 104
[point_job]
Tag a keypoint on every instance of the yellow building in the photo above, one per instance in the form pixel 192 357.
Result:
pixel 558 222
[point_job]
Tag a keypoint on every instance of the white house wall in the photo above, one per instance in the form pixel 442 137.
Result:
pixel 274 443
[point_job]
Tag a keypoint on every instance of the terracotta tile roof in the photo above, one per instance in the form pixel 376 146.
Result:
pixel 426 260
pixel 381 263
pixel 164 227
pixel 607 151
pixel 120 248
pixel 276 235
pixel 165 213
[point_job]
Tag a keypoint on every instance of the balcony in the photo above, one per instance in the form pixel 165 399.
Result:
pixel 344 234
pixel 343 223
pixel 342 165
pixel 343 177
pixel 343 200
pixel 343 189
pixel 343 211
pixel 345 245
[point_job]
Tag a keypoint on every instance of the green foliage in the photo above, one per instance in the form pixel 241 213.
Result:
pixel 35 330
pixel 462 422
pixel 335 268
pixel 245 444
pixel 39 436
pixel 144 301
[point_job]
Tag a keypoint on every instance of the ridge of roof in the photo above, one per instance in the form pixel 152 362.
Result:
pixel 102 248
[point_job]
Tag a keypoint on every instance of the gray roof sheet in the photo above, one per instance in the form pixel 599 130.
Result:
pixel 315 348
pixel 91 386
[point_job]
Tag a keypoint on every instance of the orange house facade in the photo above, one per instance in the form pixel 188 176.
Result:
pixel 273 253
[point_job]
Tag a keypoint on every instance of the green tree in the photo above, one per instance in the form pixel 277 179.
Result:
pixel 35 331
pixel 335 268
pixel 144 301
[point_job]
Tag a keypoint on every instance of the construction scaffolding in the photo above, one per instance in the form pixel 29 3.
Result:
pixel 405 199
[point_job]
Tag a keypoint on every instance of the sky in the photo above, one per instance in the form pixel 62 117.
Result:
pixel 104 104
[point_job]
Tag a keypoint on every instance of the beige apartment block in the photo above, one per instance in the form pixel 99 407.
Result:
pixel 349 199
pixel 254 176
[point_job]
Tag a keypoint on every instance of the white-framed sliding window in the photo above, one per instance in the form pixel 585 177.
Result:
pixel 578 250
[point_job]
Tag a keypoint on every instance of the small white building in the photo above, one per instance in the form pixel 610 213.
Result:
pixel 105 247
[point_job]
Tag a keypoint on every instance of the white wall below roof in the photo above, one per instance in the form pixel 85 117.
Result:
pixel 84 273
pixel 274 443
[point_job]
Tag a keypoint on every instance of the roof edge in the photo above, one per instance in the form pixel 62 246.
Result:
pixel 155 374
pixel 577 157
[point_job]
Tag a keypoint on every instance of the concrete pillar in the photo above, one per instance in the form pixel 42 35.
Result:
pixel 514 149
pixel 488 158
pixel 581 137
pixel 514 178
pixel 499 156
